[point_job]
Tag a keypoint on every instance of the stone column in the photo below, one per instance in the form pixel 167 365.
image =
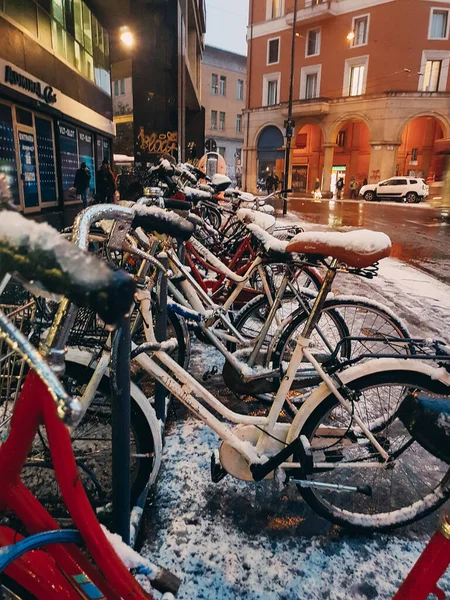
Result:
pixel 250 173
pixel 328 157
pixel 383 160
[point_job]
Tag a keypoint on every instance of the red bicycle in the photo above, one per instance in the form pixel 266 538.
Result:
pixel 59 569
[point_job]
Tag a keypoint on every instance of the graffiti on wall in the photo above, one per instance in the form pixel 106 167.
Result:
pixel 162 143
pixel 375 175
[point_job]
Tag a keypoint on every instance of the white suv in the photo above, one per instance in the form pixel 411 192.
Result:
pixel 401 189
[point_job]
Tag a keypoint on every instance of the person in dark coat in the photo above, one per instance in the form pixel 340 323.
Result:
pixel 82 182
pixel 106 184
pixel 340 188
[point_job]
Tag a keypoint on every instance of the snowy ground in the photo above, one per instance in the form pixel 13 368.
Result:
pixel 233 540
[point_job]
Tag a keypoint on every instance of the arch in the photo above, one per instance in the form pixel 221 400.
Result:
pixel 336 126
pixel 270 138
pixel 303 121
pixel 444 121
pixel 270 152
pixel 418 154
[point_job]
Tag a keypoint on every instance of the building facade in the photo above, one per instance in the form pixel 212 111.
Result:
pixel 156 80
pixel 55 99
pixel 371 89
pixel 223 97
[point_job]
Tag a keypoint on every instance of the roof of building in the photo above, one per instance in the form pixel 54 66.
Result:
pixel 224 58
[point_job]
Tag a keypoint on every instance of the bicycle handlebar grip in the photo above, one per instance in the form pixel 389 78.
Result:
pixel 42 256
pixel 174 204
pixel 152 218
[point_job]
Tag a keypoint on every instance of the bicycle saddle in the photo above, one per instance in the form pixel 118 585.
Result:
pixel 262 219
pixel 154 219
pixel 40 255
pixel 427 418
pixel 358 249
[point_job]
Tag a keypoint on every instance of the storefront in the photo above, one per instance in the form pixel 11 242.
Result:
pixel 44 137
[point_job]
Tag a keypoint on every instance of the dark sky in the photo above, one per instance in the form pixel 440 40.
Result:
pixel 226 24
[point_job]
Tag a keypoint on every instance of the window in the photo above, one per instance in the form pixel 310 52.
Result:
pixel 58 11
pixel 361 30
pixel 313 42
pixel 223 85
pixel 122 87
pixel 24 12
pixel 341 139
pixel 221 150
pixel 116 88
pixel 274 9
pixel 355 76
pixel 214 84
pixel 301 141
pixel 311 86
pixel 310 82
pixel 438 24
pixel 273 51
pixel 240 89
pixel 87 29
pixel 222 121
pixel 272 92
pixel 432 75
pixel 356 80
pixel 413 181
pixel 414 153
pixel 78 20
pixel 214 119
pixel 434 70
pixel 238 123
pixel 271 89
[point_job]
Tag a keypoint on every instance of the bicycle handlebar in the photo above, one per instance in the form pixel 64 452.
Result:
pixel 40 254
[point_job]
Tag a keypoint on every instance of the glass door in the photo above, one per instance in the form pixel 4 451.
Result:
pixel 28 171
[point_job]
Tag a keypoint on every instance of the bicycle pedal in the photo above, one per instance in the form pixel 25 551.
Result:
pixel 217 471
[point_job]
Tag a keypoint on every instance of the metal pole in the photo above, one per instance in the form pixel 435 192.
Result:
pixel 160 334
pixel 289 122
pixel 120 423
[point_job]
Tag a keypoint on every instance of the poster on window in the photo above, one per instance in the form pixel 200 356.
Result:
pixel 8 151
pixel 299 179
pixel 86 154
pixel 69 160
pixel 46 160
pixel 28 176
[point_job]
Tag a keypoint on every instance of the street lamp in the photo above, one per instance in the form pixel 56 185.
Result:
pixel 351 36
pixel 289 124
pixel 126 36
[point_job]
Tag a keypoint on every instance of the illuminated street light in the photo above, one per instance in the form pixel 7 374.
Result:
pixel 126 36
pixel 351 36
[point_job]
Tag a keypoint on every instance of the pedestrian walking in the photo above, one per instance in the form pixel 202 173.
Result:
pixel 354 186
pixel 82 182
pixel 106 184
pixel 270 182
pixel 340 188
pixel 317 194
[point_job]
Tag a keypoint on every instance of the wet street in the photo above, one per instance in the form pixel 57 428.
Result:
pixel 420 233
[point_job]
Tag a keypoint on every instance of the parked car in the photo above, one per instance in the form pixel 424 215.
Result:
pixel 401 189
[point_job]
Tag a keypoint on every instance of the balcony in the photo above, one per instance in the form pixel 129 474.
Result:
pixel 313 11
pixel 310 108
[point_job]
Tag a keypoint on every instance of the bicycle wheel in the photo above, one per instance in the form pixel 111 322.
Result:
pixel 362 318
pixel 413 485
pixel 251 318
pixel 92 446
pixel 212 215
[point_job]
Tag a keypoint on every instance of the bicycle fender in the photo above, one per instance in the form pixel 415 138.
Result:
pixel 37 572
pixel 377 365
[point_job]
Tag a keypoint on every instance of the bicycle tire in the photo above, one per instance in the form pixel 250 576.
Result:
pixel 92 449
pixel 375 518
pixel 12 590
pixel 335 309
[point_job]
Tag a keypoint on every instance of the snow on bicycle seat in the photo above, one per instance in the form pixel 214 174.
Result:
pixel 357 249
pixel 154 219
pixel 263 220
pixel 195 195
pixel 273 246
pixel 39 254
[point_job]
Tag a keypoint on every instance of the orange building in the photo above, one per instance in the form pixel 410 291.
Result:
pixel 371 89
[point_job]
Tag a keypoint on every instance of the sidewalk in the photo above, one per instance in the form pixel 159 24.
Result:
pixel 234 540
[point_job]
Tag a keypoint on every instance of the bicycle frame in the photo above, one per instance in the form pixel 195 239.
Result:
pixel 36 406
